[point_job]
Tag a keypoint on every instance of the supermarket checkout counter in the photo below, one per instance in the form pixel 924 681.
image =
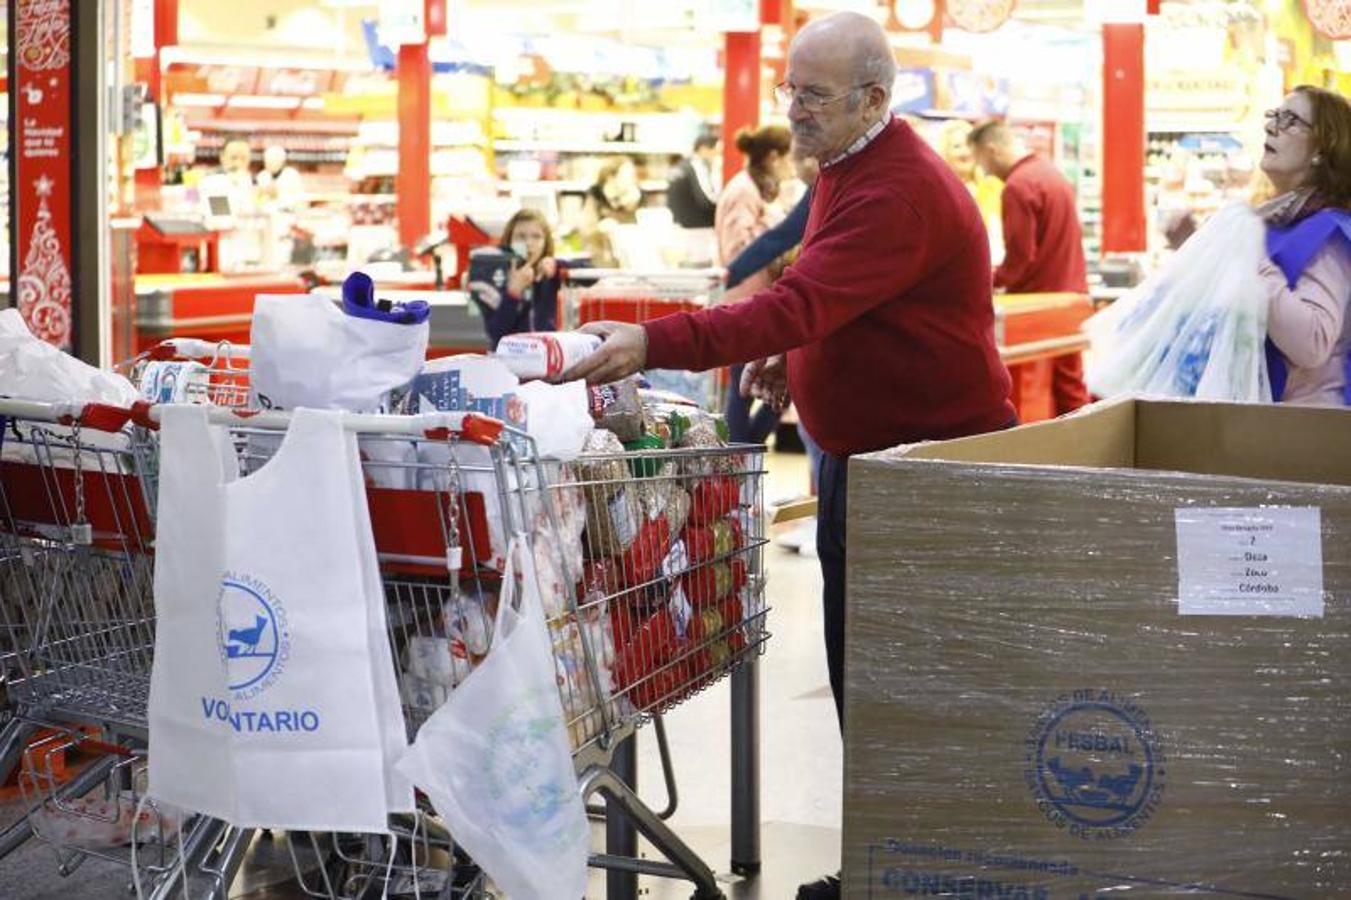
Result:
pixel 220 307
pixel 207 306
pixel 1032 330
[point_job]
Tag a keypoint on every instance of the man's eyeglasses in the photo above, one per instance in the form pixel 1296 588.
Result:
pixel 1285 119
pixel 809 100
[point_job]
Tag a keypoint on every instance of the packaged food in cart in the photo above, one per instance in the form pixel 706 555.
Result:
pixel 175 381
pixel 617 408
pixel 545 354
pixel 467 619
pixel 613 513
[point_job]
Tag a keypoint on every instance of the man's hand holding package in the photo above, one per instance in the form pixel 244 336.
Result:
pixel 623 353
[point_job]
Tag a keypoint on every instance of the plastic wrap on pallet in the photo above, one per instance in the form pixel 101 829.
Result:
pixel 1106 655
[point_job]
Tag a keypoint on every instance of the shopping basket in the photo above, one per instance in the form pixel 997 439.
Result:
pixel 637 627
pixel 76 546
pixel 77 618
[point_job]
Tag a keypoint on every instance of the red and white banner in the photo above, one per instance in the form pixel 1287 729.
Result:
pixel 42 190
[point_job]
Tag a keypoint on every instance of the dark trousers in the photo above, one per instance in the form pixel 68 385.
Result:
pixel 742 426
pixel 833 489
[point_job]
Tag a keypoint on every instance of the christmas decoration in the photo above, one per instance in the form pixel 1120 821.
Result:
pixel 980 15
pixel 44 289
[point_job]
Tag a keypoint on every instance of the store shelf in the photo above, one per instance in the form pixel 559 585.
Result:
pixel 1183 127
pixel 577 187
pixel 625 147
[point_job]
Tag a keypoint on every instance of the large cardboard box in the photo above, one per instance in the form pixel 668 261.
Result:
pixel 1105 655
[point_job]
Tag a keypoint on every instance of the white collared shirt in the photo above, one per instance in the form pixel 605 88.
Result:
pixel 863 141
pixel 703 174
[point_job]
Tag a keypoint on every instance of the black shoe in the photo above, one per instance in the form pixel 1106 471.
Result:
pixel 827 888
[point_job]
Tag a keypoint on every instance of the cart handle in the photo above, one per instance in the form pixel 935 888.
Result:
pixel 440 426
pixel 98 416
pixel 192 348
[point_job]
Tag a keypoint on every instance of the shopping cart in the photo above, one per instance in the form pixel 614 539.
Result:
pixel 617 295
pixel 77 618
pixel 76 544
pixel 658 617
pixel 674 550
pixel 221 375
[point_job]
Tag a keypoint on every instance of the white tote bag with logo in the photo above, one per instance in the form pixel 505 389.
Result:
pixel 265 705
pixel 495 759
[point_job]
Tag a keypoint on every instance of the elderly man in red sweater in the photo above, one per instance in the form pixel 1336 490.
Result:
pixel 886 318
pixel 1043 241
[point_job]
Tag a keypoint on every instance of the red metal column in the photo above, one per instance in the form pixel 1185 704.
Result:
pixel 413 183
pixel 740 95
pixel 150 71
pixel 1123 138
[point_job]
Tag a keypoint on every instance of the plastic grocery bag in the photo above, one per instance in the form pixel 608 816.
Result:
pixel 1197 327
pixel 305 351
pixel 495 761
pixel 32 369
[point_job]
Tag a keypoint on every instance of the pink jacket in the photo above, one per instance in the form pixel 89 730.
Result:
pixel 1310 326
pixel 741 217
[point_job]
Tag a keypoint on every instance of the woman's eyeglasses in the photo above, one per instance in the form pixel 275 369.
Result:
pixel 1285 119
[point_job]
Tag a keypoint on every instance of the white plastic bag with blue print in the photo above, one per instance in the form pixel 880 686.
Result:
pixel 1197 327
pixel 495 759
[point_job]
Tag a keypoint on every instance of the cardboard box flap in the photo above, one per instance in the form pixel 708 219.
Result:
pixel 1270 442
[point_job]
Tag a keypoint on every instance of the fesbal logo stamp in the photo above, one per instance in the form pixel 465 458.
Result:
pixel 1095 765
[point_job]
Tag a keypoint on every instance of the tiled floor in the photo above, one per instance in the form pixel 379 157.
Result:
pixel 800 763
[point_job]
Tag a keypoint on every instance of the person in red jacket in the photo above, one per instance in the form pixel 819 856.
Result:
pixel 885 318
pixel 1043 241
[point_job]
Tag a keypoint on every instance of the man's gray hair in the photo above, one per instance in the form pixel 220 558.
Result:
pixel 876 67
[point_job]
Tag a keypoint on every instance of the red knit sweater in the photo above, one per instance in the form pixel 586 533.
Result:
pixel 1043 243
pixel 887 311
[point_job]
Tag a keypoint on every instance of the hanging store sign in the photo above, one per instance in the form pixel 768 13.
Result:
pixel 1196 90
pixel 980 15
pixel 41 75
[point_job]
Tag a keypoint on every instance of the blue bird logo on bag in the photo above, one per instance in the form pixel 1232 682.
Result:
pixel 252 634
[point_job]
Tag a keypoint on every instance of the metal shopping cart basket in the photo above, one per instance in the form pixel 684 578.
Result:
pixel 652 565
pixel 618 295
pixel 76 541
pixel 77 625
pixel 662 612
pixel 647 605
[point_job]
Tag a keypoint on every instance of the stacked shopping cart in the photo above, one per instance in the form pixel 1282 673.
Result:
pixel 650 568
pixel 619 295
